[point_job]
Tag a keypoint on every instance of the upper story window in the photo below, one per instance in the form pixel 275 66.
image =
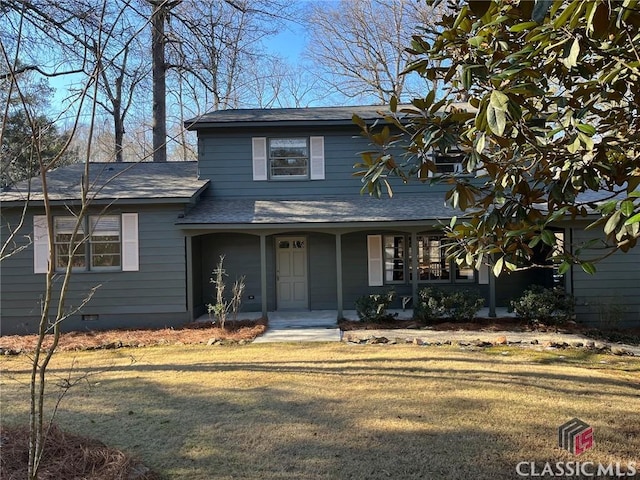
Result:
pixel 288 158
pixel 449 162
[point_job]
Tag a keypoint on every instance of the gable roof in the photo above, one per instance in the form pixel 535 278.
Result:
pixel 286 116
pixel 171 182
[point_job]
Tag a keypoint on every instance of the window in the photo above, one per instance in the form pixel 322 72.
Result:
pixel 63 228
pixel 394 259
pixel 433 264
pixel 449 161
pixel 100 249
pixel 102 242
pixel 288 158
pixel 396 265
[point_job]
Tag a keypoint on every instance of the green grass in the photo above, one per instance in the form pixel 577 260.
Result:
pixel 336 411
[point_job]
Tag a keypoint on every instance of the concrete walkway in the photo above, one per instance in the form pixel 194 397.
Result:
pixel 312 326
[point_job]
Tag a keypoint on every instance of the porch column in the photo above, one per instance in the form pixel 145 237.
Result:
pixel 492 290
pixel 339 297
pixel 567 246
pixel 263 273
pixel 189 274
pixel 414 268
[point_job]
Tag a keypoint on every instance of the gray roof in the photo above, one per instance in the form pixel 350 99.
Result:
pixel 286 116
pixel 322 211
pixel 295 116
pixel 145 181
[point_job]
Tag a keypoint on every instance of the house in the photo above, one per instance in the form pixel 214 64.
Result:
pixel 274 192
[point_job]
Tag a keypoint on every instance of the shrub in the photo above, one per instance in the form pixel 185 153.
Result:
pixel 434 303
pixel 544 305
pixel 462 305
pixel 373 308
pixel 222 307
pixel 429 306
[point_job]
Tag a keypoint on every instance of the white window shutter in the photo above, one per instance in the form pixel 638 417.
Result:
pixel 374 260
pixel 259 154
pixel 40 244
pixel 130 255
pixel 317 158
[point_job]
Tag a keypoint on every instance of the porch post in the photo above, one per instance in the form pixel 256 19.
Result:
pixel 492 290
pixel 414 268
pixel 263 273
pixel 339 297
pixel 189 274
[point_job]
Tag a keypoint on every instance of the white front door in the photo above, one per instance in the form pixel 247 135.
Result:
pixel 291 273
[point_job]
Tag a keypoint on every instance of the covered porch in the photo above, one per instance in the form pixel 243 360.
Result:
pixel 319 255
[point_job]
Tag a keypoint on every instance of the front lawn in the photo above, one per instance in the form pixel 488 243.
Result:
pixel 337 411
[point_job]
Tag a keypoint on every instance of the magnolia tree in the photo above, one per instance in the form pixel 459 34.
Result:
pixel 543 98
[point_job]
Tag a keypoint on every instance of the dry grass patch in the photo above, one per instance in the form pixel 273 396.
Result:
pixel 336 411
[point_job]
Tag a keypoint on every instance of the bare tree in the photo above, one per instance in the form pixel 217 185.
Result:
pixel 159 15
pixel 276 82
pixel 359 46
pixel 41 35
pixel 120 74
pixel 214 47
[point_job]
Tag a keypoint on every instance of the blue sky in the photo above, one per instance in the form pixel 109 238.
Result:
pixel 289 43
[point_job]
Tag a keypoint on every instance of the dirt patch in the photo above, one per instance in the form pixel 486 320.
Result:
pixel 192 333
pixel 68 456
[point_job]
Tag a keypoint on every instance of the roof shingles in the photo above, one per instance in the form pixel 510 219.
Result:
pixel 322 211
pixel 110 181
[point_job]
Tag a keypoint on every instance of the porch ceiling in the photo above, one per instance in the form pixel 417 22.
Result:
pixel 327 210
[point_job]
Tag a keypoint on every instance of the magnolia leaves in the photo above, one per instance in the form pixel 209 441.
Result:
pixel 497 112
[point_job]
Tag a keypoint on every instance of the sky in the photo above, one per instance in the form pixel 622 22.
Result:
pixel 289 44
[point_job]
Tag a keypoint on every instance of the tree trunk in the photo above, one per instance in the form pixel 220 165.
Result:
pixel 159 70
pixel 118 123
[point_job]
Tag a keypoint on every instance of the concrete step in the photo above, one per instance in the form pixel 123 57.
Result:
pixel 299 335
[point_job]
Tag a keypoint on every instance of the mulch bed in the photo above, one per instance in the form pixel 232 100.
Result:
pixel 479 324
pixel 67 457
pixel 240 331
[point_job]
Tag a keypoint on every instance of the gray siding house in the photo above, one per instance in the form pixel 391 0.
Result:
pixel 274 192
